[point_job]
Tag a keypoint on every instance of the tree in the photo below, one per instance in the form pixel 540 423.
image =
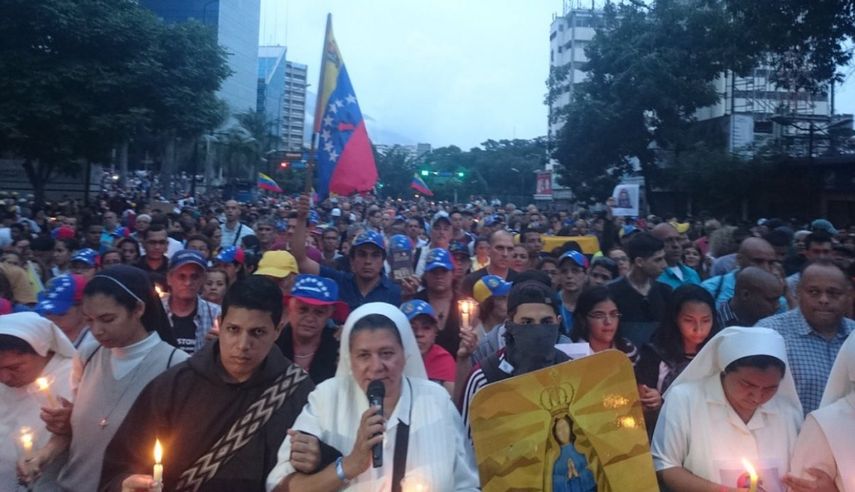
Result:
pixel 79 77
pixel 395 169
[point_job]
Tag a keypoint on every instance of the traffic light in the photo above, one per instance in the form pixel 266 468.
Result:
pixel 284 165
pixel 425 173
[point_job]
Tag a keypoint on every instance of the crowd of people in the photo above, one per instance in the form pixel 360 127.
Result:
pixel 242 338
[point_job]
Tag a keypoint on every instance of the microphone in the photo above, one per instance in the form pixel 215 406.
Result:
pixel 376 392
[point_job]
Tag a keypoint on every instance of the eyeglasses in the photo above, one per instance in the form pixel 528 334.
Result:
pixel 601 316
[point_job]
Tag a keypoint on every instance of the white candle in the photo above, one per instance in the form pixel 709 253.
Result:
pixel 466 307
pixel 27 439
pixel 158 467
pixel 44 386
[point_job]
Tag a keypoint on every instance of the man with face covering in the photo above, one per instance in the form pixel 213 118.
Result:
pixel 532 330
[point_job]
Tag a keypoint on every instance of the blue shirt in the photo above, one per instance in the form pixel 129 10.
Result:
pixel 810 355
pixel 723 287
pixel 385 291
pixel 671 279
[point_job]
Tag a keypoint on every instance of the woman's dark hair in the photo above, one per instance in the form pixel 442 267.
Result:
pixel 761 362
pixel 486 307
pixel 202 238
pixel 545 260
pixel 9 343
pixel 111 251
pixel 71 244
pixel 565 418
pixel 255 292
pixel 6 287
pixel 669 338
pixel 643 245
pixel 209 230
pixel 138 282
pixel 374 322
pixel 607 263
pixel 584 305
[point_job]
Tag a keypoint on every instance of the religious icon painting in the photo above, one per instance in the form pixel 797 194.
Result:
pixel 574 427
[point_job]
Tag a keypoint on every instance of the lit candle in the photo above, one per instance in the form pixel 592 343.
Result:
pixel 44 386
pixel 158 467
pixel 752 475
pixel 467 308
pixel 160 293
pixel 26 438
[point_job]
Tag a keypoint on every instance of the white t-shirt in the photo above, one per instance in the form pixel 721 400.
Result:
pixel 699 431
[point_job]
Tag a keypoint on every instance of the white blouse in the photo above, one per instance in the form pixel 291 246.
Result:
pixel 438 457
pixel 699 431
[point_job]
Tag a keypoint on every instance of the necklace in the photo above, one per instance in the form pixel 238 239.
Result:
pixel 105 420
pixel 304 356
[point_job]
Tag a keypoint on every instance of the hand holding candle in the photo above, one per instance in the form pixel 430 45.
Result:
pixel 753 479
pixel 467 309
pixel 27 440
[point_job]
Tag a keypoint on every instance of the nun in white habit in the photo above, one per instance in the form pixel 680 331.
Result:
pixel 378 343
pixel 31 347
pixel 824 458
pixel 736 400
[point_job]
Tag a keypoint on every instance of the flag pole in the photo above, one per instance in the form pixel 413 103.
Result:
pixel 319 110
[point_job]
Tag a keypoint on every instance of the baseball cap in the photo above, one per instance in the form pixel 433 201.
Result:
pixel 61 294
pixel 63 232
pixel 577 257
pixel 418 307
pixel 231 254
pixel 823 225
pixel 531 292
pixel 121 232
pixel 458 247
pixel 187 257
pixel 336 212
pixel 438 258
pixel 278 264
pixel 490 285
pixel 400 242
pixel 441 215
pixel 86 255
pixel 492 220
pixel 318 291
pixel 369 237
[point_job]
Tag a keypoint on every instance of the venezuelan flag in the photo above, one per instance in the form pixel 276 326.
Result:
pixel 345 160
pixel 265 182
pixel 419 185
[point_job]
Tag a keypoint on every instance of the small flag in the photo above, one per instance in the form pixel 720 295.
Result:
pixel 345 159
pixel 419 185
pixel 265 182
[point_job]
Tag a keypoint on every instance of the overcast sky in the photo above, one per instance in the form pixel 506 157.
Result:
pixel 445 72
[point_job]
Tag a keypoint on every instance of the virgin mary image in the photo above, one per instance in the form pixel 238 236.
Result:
pixel 570 471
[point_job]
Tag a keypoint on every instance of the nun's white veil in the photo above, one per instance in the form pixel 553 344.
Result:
pixel 41 333
pixel 414 368
pixel 841 380
pixel 734 343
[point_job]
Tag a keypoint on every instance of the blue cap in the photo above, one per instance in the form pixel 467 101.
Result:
pixel 578 258
pixel 490 286
pixel 438 258
pixel 458 247
pixel 187 257
pixel 61 294
pixel 369 237
pixel 86 255
pixel 121 232
pixel 314 217
pixel 417 307
pixel 400 242
pixel 441 215
pixel 319 291
pixel 492 220
pixel 231 254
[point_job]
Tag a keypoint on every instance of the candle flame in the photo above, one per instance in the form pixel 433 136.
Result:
pixel 26 438
pixel 43 384
pixel 752 473
pixel 158 451
pixel 159 291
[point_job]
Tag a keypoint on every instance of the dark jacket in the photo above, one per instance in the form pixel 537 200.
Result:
pixel 189 407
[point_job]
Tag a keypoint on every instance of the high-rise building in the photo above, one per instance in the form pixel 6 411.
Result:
pixel 294 106
pixel 271 89
pixel 236 23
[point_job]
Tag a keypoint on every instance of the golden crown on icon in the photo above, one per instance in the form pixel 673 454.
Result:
pixel 556 399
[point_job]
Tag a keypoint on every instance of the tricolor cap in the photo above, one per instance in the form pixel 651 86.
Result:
pixel 418 307
pixel 277 264
pixel 61 294
pixel 578 258
pixel 400 242
pixel 231 254
pixel 86 255
pixel 319 291
pixel 438 258
pixel 369 237
pixel 314 217
pixel 121 232
pixel 489 286
pixel 187 257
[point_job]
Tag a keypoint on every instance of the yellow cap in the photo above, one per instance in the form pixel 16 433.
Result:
pixel 278 264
